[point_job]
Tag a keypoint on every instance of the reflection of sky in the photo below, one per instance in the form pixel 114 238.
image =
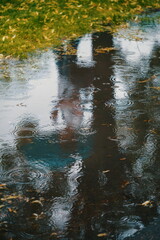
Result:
pixel 132 61
pixel 136 50
pixel 85 52
pixel 29 96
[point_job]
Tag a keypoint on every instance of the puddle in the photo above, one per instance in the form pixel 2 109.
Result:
pixel 79 139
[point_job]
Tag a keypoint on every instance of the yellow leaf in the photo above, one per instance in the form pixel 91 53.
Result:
pixel 3 184
pixel 1 206
pixel 102 234
pixel 109 19
pixel 46 38
pixel 10 197
pixel 3 38
pixel 37 201
pixel 12 210
pixel 157 88
pixel 147 80
pixel 103 50
pixel 53 234
pixel 147 203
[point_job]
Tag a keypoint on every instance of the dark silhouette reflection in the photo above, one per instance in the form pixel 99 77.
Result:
pixel 99 190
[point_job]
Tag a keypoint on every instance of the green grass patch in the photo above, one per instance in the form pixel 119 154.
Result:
pixel 28 25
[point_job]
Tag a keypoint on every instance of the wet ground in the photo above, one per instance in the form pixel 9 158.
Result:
pixel 79 139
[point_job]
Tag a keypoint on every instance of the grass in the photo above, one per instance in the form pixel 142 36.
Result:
pixel 28 25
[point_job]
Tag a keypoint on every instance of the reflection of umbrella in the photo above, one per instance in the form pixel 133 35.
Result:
pixel 54 153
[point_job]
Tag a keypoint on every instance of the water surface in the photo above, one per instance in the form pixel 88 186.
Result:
pixel 79 139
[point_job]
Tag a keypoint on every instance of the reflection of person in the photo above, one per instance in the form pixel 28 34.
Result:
pixel 72 113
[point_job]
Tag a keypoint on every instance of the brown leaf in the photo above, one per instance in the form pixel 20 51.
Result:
pixel 147 80
pixel 11 210
pixel 103 50
pixel 148 120
pixel 3 186
pixel 124 184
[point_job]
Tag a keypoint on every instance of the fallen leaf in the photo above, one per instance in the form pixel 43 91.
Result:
pixel 103 50
pixel 53 234
pixel 40 216
pixel 102 234
pixel 37 201
pixel 21 104
pixel 148 120
pixel 147 80
pixel 3 186
pixel 153 131
pixel 1 206
pixel 124 184
pixel 10 197
pixel 106 171
pixel 45 37
pixel 12 210
pixel 113 139
pixel 157 88
pixel 35 215
pixel 147 203
pixel 122 159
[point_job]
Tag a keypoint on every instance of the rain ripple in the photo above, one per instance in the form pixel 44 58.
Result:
pixel 24 175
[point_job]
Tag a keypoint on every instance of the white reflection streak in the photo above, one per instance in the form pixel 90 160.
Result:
pixel 43 91
pixel 146 158
pixel 87 102
pixel 85 52
pixel 62 207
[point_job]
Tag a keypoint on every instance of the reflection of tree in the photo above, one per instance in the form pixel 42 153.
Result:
pixel 136 98
pixel 97 190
